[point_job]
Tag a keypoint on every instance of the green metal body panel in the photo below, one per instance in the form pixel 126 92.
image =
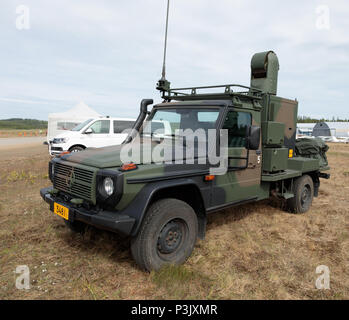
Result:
pixel 273 134
pixel 279 176
pixel 264 71
pixel 277 109
pixel 275 159
pixel 303 164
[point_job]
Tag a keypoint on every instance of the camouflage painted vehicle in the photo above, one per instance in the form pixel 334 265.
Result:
pixel 162 204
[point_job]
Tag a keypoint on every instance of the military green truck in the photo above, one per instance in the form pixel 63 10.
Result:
pixel 162 203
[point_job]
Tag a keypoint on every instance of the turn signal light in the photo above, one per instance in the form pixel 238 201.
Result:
pixel 63 153
pixel 209 177
pixel 128 166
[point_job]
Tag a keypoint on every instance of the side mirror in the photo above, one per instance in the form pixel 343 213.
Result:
pixel 88 131
pixel 253 137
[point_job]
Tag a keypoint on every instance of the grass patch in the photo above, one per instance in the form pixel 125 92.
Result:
pixel 181 281
pixel 22 175
pixel 172 273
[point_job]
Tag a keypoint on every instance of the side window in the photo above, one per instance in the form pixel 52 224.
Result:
pixel 100 126
pixel 120 125
pixel 207 119
pixel 66 125
pixel 158 127
pixel 236 123
pixel 208 116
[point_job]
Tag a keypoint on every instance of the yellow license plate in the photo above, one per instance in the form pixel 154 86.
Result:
pixel 61 211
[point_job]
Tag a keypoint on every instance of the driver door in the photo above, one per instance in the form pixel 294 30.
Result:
pixel 242 180
pixel 100 134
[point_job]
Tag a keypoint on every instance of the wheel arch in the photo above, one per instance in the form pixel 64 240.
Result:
pixel 187 191
pixel 77 145
pixel 314 175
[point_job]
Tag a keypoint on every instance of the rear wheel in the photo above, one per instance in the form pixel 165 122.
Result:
pixel 303 189
pixel 76 149
pixel 167 235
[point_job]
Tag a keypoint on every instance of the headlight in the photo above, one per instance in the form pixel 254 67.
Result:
pixel 60 140
pixel 108 186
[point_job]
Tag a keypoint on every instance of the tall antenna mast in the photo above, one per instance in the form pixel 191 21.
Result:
pixel 165 47
pixel 164 85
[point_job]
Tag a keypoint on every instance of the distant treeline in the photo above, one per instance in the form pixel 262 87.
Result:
pixel 304 119
pixel 22 124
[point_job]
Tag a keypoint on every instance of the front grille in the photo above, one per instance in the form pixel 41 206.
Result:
pixel 73 180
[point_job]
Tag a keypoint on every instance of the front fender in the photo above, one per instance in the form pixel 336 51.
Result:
pixel 139 205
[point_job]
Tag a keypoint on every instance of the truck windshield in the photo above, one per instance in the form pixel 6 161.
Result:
pixel 166 122
pixel 81 125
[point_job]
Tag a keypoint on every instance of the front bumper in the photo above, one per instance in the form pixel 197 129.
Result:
pixel 107 220
pixel 55 148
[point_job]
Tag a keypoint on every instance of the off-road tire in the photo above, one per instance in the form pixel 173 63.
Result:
pixel 76 149
pixel 152 239
pixel 76 226
pixel 303 189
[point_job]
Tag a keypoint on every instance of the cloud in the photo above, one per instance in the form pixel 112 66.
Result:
pixel 20 101
pixel 109 54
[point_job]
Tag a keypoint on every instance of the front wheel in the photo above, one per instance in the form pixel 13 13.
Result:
pixel 303 189
pixel 76 149
pixel 167 235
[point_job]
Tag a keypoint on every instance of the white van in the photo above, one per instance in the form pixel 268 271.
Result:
pixel 93 133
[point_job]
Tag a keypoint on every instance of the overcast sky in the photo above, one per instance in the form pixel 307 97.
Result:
pixel 109 53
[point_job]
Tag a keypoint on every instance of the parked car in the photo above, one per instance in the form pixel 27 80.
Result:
pixel 93 133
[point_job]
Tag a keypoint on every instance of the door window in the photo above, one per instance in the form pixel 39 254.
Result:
pixel 120 125
pixel 100 126
pixel 237 123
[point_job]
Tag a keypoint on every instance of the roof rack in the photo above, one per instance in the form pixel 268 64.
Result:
pixel 191 93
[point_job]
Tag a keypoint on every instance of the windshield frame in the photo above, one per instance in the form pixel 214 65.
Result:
pixel 222 105
pixel 218 107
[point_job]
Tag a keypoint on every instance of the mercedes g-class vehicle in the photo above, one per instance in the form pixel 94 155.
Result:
pixel 162 202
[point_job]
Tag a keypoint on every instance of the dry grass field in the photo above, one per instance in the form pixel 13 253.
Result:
pixel 255 251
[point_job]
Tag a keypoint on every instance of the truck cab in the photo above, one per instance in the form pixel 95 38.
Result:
pixel 216 150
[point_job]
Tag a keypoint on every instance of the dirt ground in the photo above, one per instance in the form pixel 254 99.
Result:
pixel 24 147
pixel 255 251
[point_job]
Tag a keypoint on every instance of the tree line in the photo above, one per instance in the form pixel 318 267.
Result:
pixel 305 119
pixel 22 124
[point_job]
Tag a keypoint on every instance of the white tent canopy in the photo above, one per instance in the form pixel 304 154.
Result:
pixel 62 121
